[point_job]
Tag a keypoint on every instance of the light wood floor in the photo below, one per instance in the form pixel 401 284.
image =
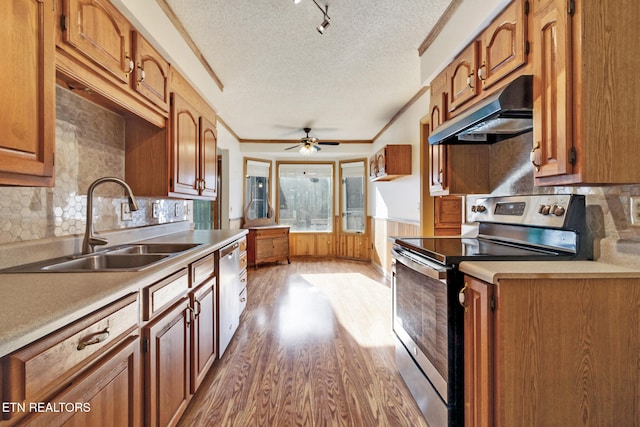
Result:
pixel 314 348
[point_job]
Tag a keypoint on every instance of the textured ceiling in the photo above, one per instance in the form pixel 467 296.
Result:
pixel 280 75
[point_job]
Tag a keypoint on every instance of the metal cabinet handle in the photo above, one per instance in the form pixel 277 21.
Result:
pixel 142 74
pixel 532 156
pixel 462 298
pixel 97 338
pixel 469 81
pixel 129 63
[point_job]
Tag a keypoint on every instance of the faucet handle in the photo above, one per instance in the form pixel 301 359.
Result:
pixel 97 241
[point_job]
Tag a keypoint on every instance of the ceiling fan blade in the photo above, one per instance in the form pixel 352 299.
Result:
pixel 291 148
pixel 328 143
pixel 315 147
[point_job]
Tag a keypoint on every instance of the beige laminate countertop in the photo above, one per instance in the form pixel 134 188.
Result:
pixel 493 271
pixel 36 304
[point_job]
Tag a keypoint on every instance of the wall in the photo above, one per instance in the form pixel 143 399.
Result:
pixel 613 238
pixel 89 145
pixel 233 180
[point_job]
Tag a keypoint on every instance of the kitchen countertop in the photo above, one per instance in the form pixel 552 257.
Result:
pixel 493 271
pixel 36 304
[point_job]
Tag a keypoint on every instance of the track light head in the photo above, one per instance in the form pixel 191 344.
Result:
pixel 323 26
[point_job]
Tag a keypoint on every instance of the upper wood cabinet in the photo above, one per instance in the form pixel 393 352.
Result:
pixel 462 78
pixel 586 123
pixel 194 142
pixel 103 58
pixel 503 44
pixel 390 162
pixel 151 73
pixel 96 30
pixel 27 109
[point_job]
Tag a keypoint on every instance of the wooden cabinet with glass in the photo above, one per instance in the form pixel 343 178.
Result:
pixel 527 351
pixel 27 112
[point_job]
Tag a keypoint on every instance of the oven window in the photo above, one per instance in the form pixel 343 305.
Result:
pixel 421 308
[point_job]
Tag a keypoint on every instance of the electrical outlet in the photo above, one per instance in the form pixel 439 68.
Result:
pixel 635 210
pixel 125 212
pixel 176 210
pixel 155 210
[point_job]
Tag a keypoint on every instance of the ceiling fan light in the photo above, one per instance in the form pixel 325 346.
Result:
pixel 323 26
pixel 306 150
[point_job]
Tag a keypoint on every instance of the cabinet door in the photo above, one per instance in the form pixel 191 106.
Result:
pixel 552 104
pixel 101 34
pixel 167 366
pixel 448 215
pixel 478 353
pixel 151 73
pixel 109 393
pixel 185 140
pixel 381 162
pixel 503 45
pixel 209 159
pixel 27 108
pixel 462 78
pixel 203 332
pixel 438 169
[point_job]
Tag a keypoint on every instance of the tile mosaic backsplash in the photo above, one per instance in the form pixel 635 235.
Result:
pixel 615 240
pixel 89 145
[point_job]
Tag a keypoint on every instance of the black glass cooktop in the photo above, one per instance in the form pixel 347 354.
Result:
pixel 452 250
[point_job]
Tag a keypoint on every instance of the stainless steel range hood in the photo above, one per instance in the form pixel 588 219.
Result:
pixel 503 115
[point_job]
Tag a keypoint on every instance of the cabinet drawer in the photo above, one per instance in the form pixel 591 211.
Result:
pixel 243 260
pixel 161 294
pixel 242 244
pixel 272 232
pixel 202 269
pixel 33 372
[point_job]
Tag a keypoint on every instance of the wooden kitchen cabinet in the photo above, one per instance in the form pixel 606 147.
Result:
pixel 101 57
pixel 391 162
pixel 462 78
pixel 166 345
pixel 27 110
pixel 503 44
pixel 552 351
pixel 68 362
pixel 268 243
pixel 151 73
pixel 585 120
pixel 204 353
pixel 447 215
pixel 109 392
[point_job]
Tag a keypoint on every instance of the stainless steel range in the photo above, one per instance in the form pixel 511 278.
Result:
pixel 427 318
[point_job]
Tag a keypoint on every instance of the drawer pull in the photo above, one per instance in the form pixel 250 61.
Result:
pixel 98 338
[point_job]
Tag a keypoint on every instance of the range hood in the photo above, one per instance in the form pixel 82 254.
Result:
pixel 503 115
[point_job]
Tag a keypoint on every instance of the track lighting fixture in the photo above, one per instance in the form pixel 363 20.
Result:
pixel 325 14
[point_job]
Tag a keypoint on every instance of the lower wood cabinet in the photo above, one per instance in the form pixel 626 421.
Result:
pixel 267 244
pixel 203 331
pixel 166 342
pixel 552 352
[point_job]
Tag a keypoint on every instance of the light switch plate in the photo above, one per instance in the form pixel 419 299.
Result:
pixel 634 210
pixel 125 212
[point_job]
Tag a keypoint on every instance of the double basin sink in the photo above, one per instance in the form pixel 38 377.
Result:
pixel 129 257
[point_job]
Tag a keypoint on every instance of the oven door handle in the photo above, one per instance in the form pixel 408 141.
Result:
pixel 426 267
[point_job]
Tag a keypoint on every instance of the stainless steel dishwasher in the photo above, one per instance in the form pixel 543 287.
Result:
pixel 229 305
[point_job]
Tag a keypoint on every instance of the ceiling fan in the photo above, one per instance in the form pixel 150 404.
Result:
pixel 309 144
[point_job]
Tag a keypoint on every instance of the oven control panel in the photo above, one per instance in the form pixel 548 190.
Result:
pixel 549 210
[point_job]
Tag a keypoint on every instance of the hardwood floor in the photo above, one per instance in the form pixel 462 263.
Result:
pixel 314 348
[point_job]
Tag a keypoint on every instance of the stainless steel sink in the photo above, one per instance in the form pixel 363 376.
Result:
pixel 105 262
pixel 128 257
pixel 152 248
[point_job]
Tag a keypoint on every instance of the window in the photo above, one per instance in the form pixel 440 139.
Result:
pixel 305 197
pixel 353 201
pixel 256 191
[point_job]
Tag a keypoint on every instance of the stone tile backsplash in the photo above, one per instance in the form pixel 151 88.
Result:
pixel 615 240
pixel 89 145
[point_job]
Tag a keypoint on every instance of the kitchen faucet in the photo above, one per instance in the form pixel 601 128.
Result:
pixel 91 241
